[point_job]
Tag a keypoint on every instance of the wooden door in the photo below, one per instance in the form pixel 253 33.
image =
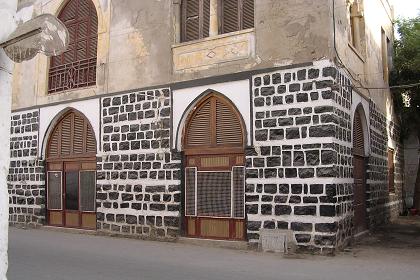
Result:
pixel 71 173
pixel 215 172
pixel 359 204
pixel 359 175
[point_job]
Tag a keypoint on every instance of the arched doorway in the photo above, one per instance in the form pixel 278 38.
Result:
pixel 359 174
pixel 213 141
pixel 71 173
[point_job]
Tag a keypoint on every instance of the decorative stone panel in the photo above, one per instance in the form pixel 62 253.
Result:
pixel 138 181
pixel 26 179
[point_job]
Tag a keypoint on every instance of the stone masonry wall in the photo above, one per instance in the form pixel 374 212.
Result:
pixel 138 181
pixel 26 179
pixel 302 129
pixel 382 205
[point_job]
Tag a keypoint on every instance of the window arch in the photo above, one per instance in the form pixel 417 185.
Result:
pixel 72 136
pixel 358 134
pixel 214 123
pixel 76 68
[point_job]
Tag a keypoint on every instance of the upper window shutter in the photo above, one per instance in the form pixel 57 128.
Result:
pixel 76 67
pixel 230 15
pixel 195 19
pixel 247 14
pixel 236 15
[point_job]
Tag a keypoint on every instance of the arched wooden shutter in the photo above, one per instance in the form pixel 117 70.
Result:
pixel 214 123
pixel 236 15
pixel 358 138
pixel 77 66
pixel 195 19
pixel 228 126
pixel 72 136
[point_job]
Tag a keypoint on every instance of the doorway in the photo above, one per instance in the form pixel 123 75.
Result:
pixel 359 174
pixel 71 173
pixel 214 170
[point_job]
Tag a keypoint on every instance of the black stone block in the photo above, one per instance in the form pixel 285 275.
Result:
pixel 266 209
pixel 294 87
pixel 282 210
pixel 305 210
pixel 327 210
pixel 301 226
pixel 306 173
pixel 292 133
pixel 267 91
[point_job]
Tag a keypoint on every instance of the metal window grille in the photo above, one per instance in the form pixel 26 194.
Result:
pixel 238 190
pixel 214 194
pixel 72 75
pixel 190 186
pixel 87 191
pixel 54 191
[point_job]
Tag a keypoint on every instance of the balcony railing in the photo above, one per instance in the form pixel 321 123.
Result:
pixel 73 75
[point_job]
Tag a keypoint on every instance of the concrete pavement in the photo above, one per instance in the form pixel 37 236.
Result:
pixel 42 254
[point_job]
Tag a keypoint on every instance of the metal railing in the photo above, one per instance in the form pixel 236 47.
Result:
pixel 73 75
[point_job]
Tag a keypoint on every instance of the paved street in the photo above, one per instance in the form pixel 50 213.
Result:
pixel 42 254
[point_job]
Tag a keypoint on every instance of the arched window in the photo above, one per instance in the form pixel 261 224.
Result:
pixel 76 67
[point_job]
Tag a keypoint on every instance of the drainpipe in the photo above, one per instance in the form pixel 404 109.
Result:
pixel 7 12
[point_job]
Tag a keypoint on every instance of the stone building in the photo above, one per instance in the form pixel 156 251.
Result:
pixel 209 119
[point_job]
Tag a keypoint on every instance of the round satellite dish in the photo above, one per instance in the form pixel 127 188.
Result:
pixel 44 34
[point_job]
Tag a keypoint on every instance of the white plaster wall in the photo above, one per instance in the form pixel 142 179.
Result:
pixel 49 115
pixel 237 92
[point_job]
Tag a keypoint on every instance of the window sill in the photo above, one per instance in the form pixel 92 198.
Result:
pixel 214 50
pixel 357 52
pixel 71 91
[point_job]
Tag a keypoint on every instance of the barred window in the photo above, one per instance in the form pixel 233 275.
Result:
pixel 76 68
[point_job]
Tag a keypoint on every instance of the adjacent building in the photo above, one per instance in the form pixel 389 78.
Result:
pixel 210 119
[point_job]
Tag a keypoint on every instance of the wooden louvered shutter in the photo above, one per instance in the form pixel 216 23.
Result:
pixel 53 148
pixel 73 136
pixel 76 67
pixel 66 135
pixel 391 171
pixel 247 14
pixel 90 140
pixel 236 15
pixel 195 19
pixel 214 124
pixel 199 129
pixel 228 126
pixel 78 133
pixel 358 139
pixel 230 15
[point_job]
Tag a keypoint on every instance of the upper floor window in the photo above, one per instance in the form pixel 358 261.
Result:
pixel 386 50
pixel 76 67
pixel 356 23
pixel 204 18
